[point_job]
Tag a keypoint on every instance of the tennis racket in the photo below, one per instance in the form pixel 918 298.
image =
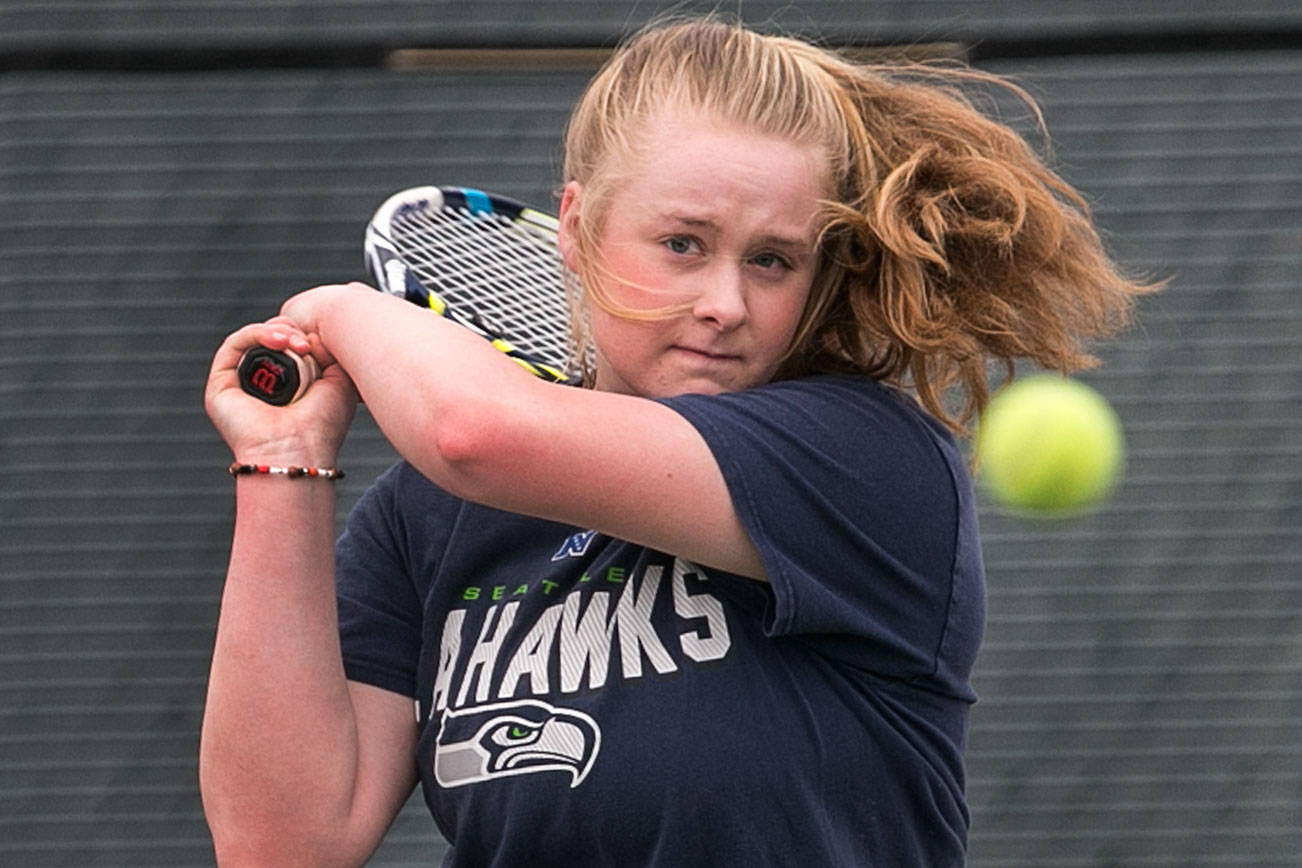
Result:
pixel 488 263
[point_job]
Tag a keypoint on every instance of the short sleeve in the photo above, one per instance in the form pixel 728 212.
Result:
pixel 380 612
pixel 857 503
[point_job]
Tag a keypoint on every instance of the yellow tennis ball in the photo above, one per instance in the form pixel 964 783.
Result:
pixel 1049 445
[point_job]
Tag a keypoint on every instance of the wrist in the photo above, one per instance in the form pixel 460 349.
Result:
pixel 318 310
pixel 295 452
pixel 290 471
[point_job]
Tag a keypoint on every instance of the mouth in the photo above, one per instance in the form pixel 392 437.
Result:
pixel 707 354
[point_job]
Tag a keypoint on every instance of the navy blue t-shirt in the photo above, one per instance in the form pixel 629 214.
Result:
pixel 586 701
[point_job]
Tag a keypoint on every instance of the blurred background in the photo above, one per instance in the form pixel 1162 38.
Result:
pixel 171 170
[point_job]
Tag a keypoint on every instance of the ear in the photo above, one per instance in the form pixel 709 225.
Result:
pixel 568 231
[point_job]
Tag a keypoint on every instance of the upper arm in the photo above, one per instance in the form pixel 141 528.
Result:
pixel 483 429
pixel 626 466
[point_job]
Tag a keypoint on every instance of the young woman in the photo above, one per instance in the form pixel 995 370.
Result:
pixel 721 607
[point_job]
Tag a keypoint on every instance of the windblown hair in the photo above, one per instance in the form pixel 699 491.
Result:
pixel 948 246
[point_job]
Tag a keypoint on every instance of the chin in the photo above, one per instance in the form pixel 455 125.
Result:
pixel 700 386
pixel 669 385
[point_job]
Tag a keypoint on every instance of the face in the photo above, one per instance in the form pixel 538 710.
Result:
pixel 718 222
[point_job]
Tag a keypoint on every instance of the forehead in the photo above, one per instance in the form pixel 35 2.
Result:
pixel 678 125
pixel 688 157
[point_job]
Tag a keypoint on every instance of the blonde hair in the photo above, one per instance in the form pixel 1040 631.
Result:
pixel 948 245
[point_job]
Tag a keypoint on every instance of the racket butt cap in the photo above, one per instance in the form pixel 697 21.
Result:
pixel 278 377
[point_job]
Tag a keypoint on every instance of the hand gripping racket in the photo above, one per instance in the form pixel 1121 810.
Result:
pixel 486 262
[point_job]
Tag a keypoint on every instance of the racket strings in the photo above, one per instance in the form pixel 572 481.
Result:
pixel 506 272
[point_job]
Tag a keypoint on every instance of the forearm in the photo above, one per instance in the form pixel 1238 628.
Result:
pixel 279 750
pixel 431 386
pixel 483 429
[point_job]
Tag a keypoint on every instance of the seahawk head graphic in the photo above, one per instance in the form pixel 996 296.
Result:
pixel 514 738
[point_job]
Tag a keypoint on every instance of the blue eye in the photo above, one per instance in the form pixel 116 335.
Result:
pixel 682 245
pixel 770 260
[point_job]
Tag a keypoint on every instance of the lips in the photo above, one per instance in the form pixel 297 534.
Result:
pixel 708 354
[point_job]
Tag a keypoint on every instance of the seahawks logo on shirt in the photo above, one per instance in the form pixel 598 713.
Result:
pixel 514 738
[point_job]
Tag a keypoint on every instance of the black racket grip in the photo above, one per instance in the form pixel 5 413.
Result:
pixel 278 377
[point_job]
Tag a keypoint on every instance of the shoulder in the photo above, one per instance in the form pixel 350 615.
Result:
pixel 820 400
pixel 834 461
pixel 854 419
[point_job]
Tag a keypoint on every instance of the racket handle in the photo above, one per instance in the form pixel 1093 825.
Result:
pixel 278 377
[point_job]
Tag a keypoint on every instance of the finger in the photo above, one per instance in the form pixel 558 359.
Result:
pixel 314 347
pixel 278 336
pixel 299 341
pixel 235 344
pixel 282 327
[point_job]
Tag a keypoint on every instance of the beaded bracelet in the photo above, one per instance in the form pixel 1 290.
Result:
pixel 238 469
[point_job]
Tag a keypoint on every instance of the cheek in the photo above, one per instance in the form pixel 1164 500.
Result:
pixel 781 316
pixel 637 278
pixel 632 284
pixel 617 336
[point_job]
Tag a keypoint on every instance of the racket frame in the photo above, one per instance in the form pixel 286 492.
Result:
pixel 281 378
pixel 394 273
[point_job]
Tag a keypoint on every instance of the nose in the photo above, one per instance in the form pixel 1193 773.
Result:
pixel 721 301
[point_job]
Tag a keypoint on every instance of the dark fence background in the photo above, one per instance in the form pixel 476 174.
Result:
pixel 171 170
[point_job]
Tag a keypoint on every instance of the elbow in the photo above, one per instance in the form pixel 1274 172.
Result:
pixel 236 852
pixel 243 835
pixel 262 845
pixel 255 829
pixel 461 437
pixel 481 445
pixel 237 844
